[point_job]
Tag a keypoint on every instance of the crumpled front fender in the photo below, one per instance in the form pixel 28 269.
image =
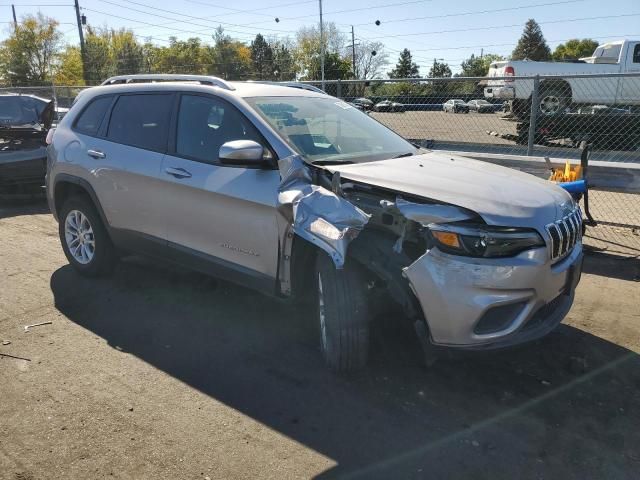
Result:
pixel 316 213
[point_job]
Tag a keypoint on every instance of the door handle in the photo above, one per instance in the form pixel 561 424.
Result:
pixel 178 172
pixel 96 154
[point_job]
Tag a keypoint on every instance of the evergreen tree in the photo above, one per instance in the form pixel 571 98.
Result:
pixel 262 58
pixel 532 45
pixel 406 67
pixel 439 70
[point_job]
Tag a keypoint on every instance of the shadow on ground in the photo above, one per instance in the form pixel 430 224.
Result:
pixel 564 407
pixel 17 205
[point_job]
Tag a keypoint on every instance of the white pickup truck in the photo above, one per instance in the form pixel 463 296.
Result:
pixel 556 95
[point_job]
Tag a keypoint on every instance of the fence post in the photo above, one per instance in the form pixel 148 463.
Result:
pixel 533 117
pixel 339 89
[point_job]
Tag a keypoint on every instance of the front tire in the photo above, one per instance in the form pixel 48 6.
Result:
pixel 342 314
pixel 84 239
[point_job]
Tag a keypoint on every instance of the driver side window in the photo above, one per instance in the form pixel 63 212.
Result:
pixel 206 123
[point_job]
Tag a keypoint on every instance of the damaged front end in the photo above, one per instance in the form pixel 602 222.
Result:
pixel 378 228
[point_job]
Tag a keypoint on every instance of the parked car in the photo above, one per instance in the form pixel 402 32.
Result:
pixel 24 123
pixel 480 106
pixel 363 103
pixel 455 106
pixel 558 94
pixel 298 195
pixel 388 106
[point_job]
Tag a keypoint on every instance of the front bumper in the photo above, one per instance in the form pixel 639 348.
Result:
pixel 526 296
pixel 505 93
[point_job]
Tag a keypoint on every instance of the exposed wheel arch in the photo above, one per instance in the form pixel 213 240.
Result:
pixel 66 186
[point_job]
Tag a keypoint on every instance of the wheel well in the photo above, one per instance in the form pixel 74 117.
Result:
pixel 561 85
pixel 65 190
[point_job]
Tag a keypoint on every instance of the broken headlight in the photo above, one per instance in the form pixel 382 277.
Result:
pixel 483 240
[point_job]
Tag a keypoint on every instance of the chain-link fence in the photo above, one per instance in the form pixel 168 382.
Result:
pixel 476 117
pixel 512 119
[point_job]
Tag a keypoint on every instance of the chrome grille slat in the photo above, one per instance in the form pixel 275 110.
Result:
pixel 565 233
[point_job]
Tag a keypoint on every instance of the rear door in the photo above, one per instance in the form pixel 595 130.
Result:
pixel 224 214
pixel 125 160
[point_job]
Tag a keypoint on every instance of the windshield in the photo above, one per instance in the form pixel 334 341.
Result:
pixel 330 130
pixel 611 51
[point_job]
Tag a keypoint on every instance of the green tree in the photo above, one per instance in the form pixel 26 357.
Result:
pixel 308 49
pixel 439 70
pixel 262 58
pixel 478 66
pixel 127 54
pixel 28 54
pixel 98 63
pixel 230 59
pixel 406 67
pixel 574 49
pixel 180 56
pixel 532 45
pixel 68 68
pixel 283 63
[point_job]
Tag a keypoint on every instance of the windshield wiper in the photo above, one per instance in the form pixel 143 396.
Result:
pixel 332 162
pixel 402 155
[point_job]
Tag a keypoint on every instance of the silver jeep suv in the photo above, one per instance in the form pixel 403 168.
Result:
pixel 298 194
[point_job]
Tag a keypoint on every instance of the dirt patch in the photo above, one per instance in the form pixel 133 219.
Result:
pixel 159 372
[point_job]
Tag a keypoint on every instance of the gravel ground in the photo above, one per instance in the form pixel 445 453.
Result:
pixel 157 372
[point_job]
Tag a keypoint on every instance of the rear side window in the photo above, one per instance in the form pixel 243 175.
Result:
pixel 636 53
pixel 141 121
pixel 91 117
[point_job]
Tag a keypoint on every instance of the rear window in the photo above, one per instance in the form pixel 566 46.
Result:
pixel 18 110
pixel 90 119
pixel 141 121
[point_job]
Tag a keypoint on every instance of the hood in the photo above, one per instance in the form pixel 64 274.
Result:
pixel 500 195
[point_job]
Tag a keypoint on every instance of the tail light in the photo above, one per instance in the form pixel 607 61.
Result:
pixel 49 138
pixel 509 71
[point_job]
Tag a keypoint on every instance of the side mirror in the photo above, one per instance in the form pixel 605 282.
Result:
pixel 241 152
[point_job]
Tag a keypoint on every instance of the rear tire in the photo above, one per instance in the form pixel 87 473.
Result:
pixel 342 314
pixel 554 100
pixel 84 238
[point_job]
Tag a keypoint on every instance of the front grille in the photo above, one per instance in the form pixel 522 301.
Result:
pixel 564 233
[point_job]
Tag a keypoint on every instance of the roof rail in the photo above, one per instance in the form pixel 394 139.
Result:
pixel 160 77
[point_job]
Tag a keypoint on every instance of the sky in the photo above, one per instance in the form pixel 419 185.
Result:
pixel 447 30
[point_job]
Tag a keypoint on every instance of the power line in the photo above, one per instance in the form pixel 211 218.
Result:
pixel 237 10
pixel 373 7
pixel 208 28
pixel 476 12
pixel 185 15
pixel 494 27
pixel 466 47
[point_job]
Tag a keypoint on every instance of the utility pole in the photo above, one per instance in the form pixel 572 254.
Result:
pixel 82 47
pixel 321 46
pixel 15 20
pixel 353 51
pixel 481 52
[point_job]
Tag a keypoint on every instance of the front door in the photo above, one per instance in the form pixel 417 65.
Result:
pixel 224 214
